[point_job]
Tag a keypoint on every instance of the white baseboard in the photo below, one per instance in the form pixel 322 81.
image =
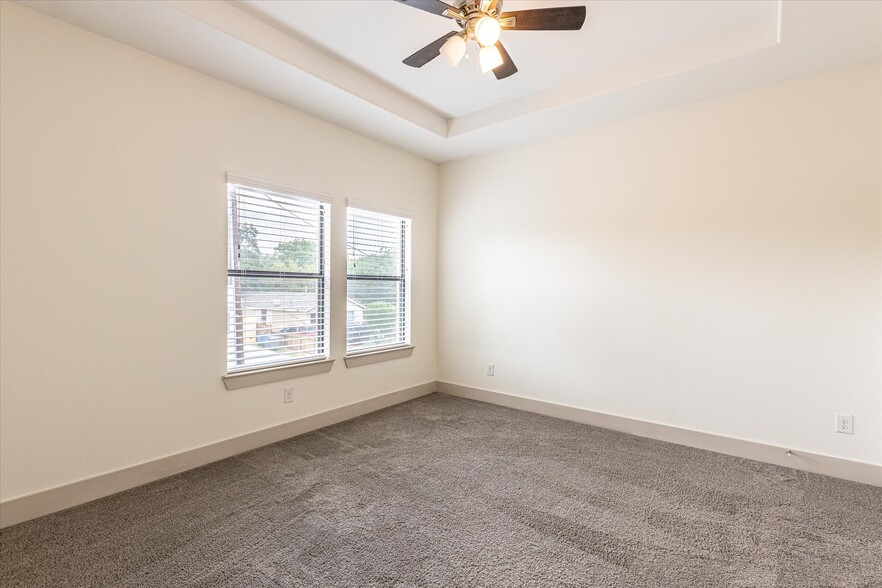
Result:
pixel 855 471
pixel 23 508
pixel 31 506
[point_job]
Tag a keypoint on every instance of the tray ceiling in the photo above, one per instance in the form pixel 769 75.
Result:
pixel 341 59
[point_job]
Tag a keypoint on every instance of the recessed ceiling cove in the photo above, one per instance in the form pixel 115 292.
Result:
pixel 374 36
pixel 342 60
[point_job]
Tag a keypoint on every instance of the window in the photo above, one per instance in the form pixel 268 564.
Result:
pixel 377 281
pixel 277 277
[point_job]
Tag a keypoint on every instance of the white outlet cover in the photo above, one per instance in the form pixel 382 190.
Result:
pixel 845 424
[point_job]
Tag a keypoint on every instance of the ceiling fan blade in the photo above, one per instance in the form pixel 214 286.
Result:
pixel 566 18
pixel 508 67
pixel 433 6
pixel 428 53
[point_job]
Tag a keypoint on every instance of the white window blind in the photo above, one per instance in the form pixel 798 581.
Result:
pixel 277 278
pixel 377 281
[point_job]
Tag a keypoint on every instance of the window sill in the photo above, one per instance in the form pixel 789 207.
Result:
pixel 277 374
pixel 369 357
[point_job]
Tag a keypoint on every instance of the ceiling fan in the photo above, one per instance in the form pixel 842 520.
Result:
pixel 482 21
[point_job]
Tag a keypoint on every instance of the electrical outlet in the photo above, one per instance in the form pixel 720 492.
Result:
pixel 845 424
pixel 491 369
pixel 289 395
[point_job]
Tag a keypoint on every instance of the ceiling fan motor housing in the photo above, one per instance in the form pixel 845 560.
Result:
pixel 472 11
pixel 473 8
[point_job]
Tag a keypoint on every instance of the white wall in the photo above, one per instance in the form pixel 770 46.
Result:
pixel 114 253
pixel 716 267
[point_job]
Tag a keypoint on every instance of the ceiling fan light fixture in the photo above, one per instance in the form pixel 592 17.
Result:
pixel 482 21
pixel 487 31
pixel 489 58
pixel 453 50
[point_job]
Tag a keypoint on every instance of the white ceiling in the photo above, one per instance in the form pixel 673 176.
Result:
pixel 341 59
pixel 376 36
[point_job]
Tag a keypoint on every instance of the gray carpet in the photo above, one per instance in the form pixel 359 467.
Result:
pixel 442 491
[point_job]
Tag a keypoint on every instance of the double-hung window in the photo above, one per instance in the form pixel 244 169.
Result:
pixel 277 276
pixel 377 281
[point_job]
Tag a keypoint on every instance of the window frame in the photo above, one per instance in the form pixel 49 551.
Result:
pixel 249 375
pixel 359 356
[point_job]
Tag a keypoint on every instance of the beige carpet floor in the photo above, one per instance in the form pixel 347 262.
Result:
pixel 443 491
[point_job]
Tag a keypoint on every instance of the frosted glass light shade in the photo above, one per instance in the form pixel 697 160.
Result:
pixel 453 50
pixel 487 31
pixel 489 58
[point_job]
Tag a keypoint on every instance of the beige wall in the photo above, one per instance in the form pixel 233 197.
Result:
pixel 114 253
pixel 716 267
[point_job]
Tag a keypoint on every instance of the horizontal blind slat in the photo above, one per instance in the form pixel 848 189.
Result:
pixel 277 302
pixel 377 280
